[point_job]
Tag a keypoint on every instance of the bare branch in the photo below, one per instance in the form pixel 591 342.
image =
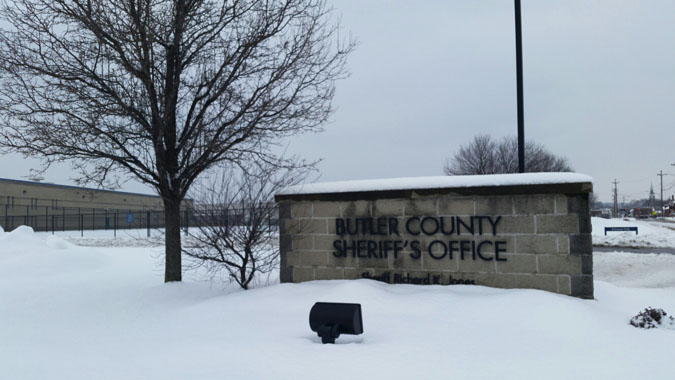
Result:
pixel 162 90
pixel 484 155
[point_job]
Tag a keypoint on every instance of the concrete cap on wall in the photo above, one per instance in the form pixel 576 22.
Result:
pixel 493 184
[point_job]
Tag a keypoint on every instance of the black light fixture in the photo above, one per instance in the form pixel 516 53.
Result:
pixel 329 320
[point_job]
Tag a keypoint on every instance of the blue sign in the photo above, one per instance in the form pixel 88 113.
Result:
pixel 130 218
pixel 621 229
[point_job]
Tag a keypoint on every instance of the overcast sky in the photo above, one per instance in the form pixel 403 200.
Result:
pixel 429 75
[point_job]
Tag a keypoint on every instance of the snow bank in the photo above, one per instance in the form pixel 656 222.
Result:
pixel 651 233
pixel 412 183
pixel 635 270
pixel 104 313
pixel 23 238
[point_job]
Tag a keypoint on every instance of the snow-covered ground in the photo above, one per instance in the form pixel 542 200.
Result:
pixel 635 270
pixel 109 238
pixel 80 312
pixel 651 232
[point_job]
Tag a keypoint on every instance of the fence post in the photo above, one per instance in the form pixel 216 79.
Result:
pixel 53 228
pixel 187 221
pixel 81 225
pixel 46 219
pixel 147 221
pixel 63 209
pixel 93 219
pixel 115 224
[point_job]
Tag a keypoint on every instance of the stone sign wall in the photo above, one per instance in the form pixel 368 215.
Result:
pixel 518 236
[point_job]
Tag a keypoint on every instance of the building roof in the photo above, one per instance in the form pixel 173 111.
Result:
pixel 18 181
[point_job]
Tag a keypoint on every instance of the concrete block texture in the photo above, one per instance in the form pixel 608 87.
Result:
pixel 373 263
pixel 355 209
pixel 455 206
pixel 404 261
pixel 560 224
pixel 347 262
pixel 444 264
pixel 545 238
pixel 355 273
pixel 285 209
pixel 526 281
pixel 421 207
pixel 323 242
pixel 563 244
pixel 313 258
pixel 301 210
pixel 303 226
pixel 292 258
pixel 517 264
pixel 302 242
pixel 516 224
pixel 285 243
pixel 537 204
pixel 328 273
pixel 586 264
pixel 560 204
pixel 286 273
pixel 578 204
pixel 330 224
pixel 476 266
pixel 387 207
pixel 581 244
pixel 558 264
pixel 536 244
pixel 495 205
pixel 326 209
pixel 489 249
pixel 303 274
pixel 582 286
pixel 564 286
pixel 585 226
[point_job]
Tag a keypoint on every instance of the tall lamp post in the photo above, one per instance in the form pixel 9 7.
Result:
pixel 519 79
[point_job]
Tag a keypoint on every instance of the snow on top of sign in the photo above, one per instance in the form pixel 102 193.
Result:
pixel 438 182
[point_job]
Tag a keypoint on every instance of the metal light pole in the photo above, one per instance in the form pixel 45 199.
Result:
pixel 519 79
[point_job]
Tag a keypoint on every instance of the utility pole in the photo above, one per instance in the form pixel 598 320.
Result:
pixel 616 201
pixel 519 90
pixel 661 175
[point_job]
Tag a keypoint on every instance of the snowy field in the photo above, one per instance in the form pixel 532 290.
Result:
pixel 83 312
pixel 651 232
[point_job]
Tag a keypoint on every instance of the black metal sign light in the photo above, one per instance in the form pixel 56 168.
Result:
pixel 329 320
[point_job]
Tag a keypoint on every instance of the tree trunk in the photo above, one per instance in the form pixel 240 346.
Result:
pixel 172 269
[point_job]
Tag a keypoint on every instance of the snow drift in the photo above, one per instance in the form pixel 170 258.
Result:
pixel 72 312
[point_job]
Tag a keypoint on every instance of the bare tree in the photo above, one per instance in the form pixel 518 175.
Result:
pixel 484 155
pixel 236 219
pixel 161 90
